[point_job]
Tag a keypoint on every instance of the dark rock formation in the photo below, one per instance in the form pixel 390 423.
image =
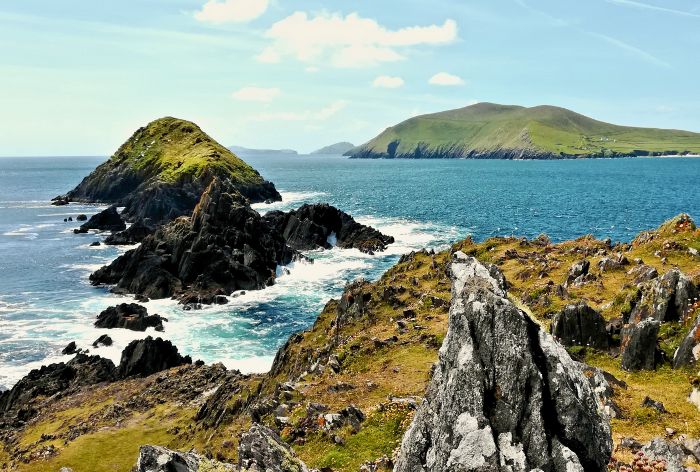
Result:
pixel 311 226
pixel 666 298
pixel 160 459
pixel 261 449
pixel 643 273
pixel 106 220
pixel 504 395
pixel 70 349
pixel 580 325
pixel 135 233
pixel 639 345
pixel 148 356
pixel 129 316
pixel 103 340
pixel 60 201
pixel 225 246
pixel 49 380
pixel 81 217
pixel 689 351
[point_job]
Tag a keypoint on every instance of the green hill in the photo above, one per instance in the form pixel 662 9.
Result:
pixel 337 148
pixel 492 131
pixel 163 168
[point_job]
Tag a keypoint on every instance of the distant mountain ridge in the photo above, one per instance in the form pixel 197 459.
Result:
pixel 337 148
pixel 244 151
pixel 492 131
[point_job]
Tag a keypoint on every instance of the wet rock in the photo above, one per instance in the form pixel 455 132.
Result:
pixel 666 298
pixel 103 340
pixel 81 217
pixel 106 220
pixel 160 459
pixel 60 201
pixel 659 448
pixel 134 234
pixel 129 316
pixel 70 349
pixel 95 244
pixel 504 395
pixel 261 449
pixel 639 345
pixel 148 356
pixel 580 325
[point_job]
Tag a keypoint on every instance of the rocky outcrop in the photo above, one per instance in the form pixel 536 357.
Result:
pixel 129 316
pixel 666 298
pixel 661 449
pixel 688 352
pixel 53 379
pixel 320 225
pixel 134 234
pixel 261 449
pixel 162 170
pixel 639 345
pixel 580 325
pixel 161 459
pixel 504 395
pixel 148 356
pixel 106 220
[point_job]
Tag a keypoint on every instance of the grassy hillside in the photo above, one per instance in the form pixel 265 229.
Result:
pixel 385 345
pixel 488 130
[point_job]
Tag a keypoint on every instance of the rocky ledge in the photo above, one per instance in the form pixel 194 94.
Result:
pixel 227 246
pixel 504 395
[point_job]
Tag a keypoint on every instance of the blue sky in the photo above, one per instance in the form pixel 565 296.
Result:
pixel 78 77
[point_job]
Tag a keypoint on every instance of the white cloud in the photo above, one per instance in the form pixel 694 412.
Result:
pixel 256 94
pixel 305 115
pixel 347 41
pixel 386 81
pixel 231 11
pixel 443 78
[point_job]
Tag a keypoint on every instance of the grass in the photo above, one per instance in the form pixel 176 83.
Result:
pixel 545 129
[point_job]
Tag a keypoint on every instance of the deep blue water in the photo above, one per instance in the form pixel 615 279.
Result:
pixel 45 300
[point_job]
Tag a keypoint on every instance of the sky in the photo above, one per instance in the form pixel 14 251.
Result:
pixel 77 77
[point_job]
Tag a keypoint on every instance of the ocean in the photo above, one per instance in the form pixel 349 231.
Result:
pixel 46 300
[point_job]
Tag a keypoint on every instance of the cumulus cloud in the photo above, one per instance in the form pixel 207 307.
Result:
pixel 386 81
pixel 445 79
pixel 347 41
pixel 231 11
pixel 304 115
pixel 256 94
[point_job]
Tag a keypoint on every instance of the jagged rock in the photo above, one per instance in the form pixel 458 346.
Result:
pixel 659 448
pixel 147 356
pixel 60 201
pixel 103 340
pixel 602 383
pixel 580 325
pixel 129 316
pixel 612 263
pixel 70 349
pixel 643 273
pixel 135 233
pixel 654 404
pixel 689 350
pixel 49 380
pixel 666 298
pixel 106 220
pixel 261 450
pixel 160 459
pixel 504 395
pixel 639 345
pixel 318 225
pixel 225 245
pixel 578 269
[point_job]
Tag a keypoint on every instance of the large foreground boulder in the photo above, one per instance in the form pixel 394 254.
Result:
pixel 504 396
pixel 161 459
pixel 639 345
pixel 148 356
pixel 106 220
pixel 129 316
pixel 580 325
pixel 261 449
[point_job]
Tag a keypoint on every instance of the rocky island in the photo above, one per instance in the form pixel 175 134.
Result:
pixel 492 131
pixel 602 334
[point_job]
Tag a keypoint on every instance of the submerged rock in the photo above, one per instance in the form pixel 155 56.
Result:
pixel 129 316
pixel 261 449
pixel 504 395
pixel 580 325
pixel 148 356
pixel 106 220
pixel 161 459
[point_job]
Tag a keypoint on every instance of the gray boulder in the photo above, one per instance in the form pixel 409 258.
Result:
pixel 580 325
pixel 504 396
pixel 262 450
pixel 666 298
pixel 659 448
pixel 689 351
pixel 160 459
pixel 639 345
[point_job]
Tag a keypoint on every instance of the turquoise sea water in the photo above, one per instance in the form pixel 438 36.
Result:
pixel 46 301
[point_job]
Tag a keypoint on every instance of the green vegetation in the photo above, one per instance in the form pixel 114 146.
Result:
pixel 543 131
